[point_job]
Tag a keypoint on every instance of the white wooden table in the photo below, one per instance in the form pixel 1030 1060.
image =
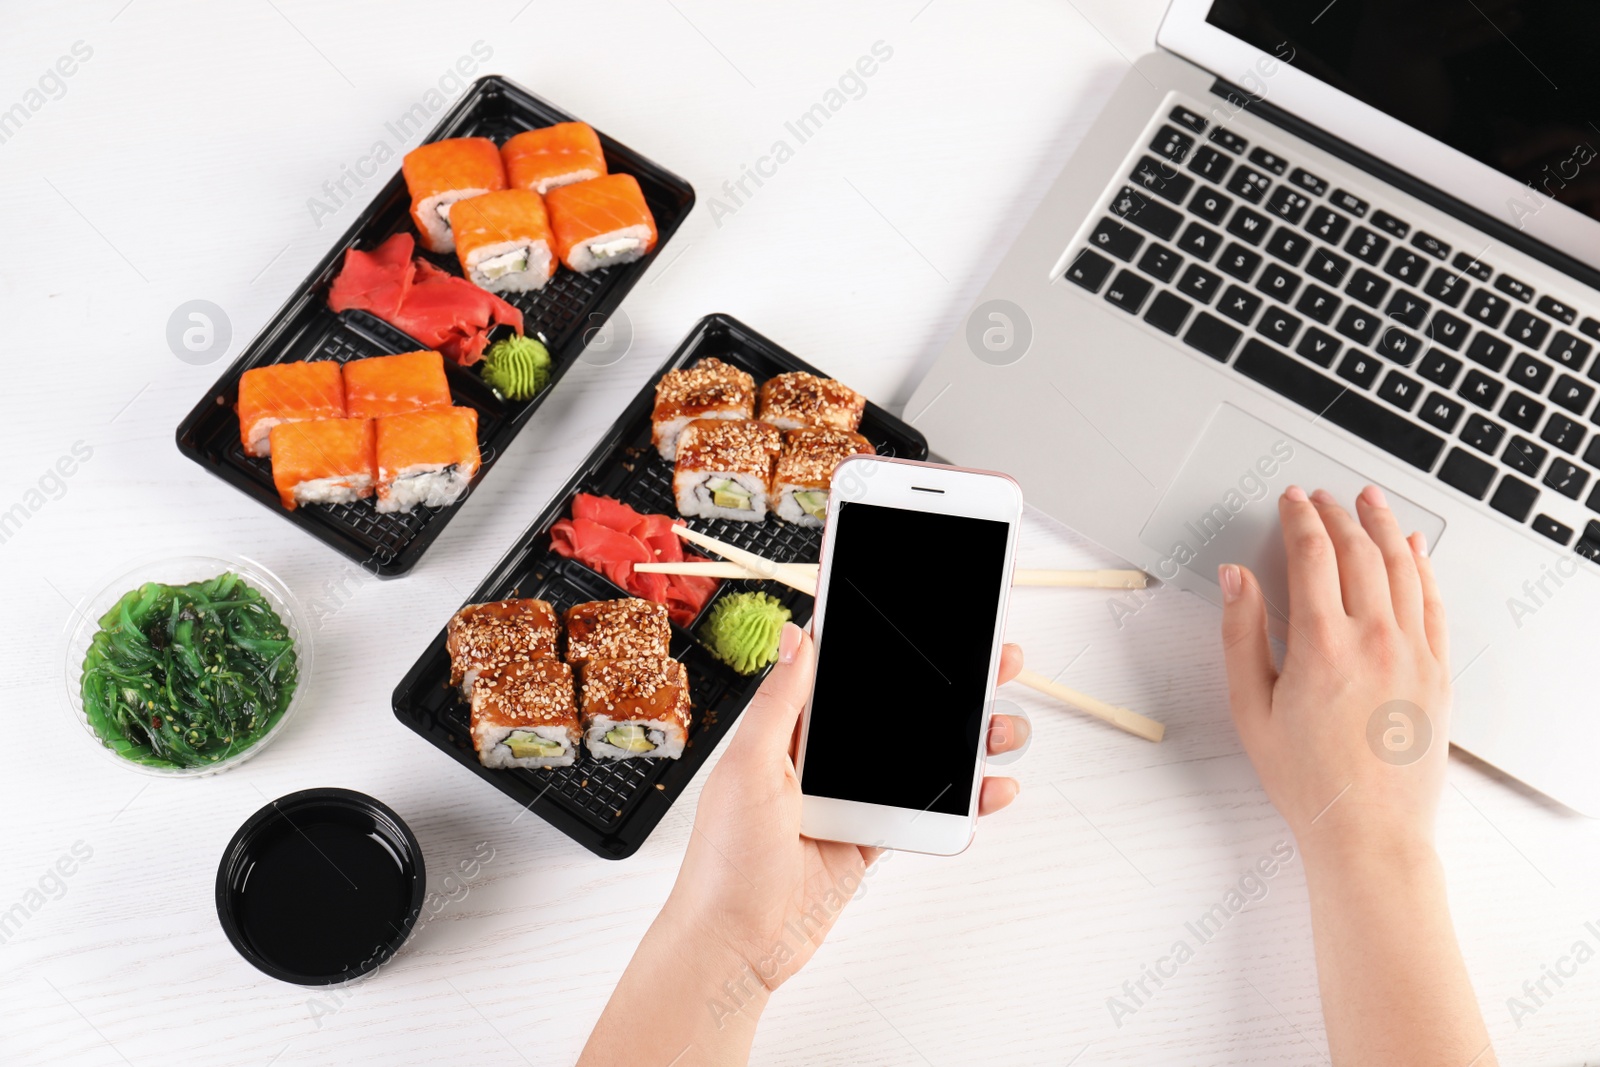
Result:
pixel 180 159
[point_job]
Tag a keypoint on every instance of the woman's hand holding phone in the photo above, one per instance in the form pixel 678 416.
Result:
pixel 754 898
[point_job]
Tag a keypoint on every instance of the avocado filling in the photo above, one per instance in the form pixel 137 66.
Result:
pixel 513 262
pixel 813 502
pixel 727 493
pixel 525 744
pixel 630 737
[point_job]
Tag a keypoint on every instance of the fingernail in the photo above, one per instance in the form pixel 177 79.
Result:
pixel 1232 583
pixel 1295 493
pixel 1375 496
pixel 788 643
pixel 1419 543
pixel 1322 496
pixel 1023 730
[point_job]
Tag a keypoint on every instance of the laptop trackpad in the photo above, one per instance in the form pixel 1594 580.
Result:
pixel 1223 505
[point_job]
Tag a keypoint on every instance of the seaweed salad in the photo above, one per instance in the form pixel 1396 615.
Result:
pixel 182 676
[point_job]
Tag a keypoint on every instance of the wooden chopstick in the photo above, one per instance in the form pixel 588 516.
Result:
pixel 1121 718
pixel 796 576
pixel 1103 579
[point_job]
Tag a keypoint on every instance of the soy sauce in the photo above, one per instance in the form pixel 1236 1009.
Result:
pixel 323 892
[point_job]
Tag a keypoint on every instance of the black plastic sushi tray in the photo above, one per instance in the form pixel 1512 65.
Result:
pixel 567 312
pixel 610 807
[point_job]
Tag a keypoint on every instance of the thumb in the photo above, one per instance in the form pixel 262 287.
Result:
pixel 1244 646
pixel 770 719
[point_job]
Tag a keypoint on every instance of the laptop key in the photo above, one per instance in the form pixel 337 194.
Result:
pixel 1566 478
pixel 1369 420
pixel 1590 327
pixel 1328 224
pixel 1188 119
pixel 1360 326
pixel 1408 308
pixel 1229 140
pixel 1288 205
pixel 1160 262
pixel 1440 368
pixel 1390 225
pixel 1090 270
pixel 1448 330
pixel 1288 245
pixel 1199 283
pixel 1468 265
pixel 1430 244
pixel 1572 394
pixel 1591 455
pixel 1569 351
pixel 1239 262
pixel 1128 291
pixel 1161 179
pixel 1483 434
pixel 1514 497
pixel 1308 181
pixel 1511 287
pixel 1269 161
pixel 1348 202
pixel 1115 239
pixel 1212 336
pixel 1240 305
pixel 1199 241
pixel 1358 367
pixel 1466 472
pixel 1320 348
pixel 1524 457
pixel 1318 303
pixel 1527 329
pixel 1168 311
pixel 1405 265
pixel 1327 267
pixel 1367 246
pixel 1145 213
pixel 1248 226
pixel 1367 287
pixel 1249 185
pixel 1446 286
pixel 1210 205
pixel 1562 432
pixel 1442 412
pixel 1552 529
pixel 1278 326
pixel 1278 283
pixel 1530 373
pixel 1489 350
pixel 1172 143
pixel 1210 164
pixel 1557 310
pixel 1481 389
pixel 1400 390
pixel 1399 346
pixel 1522 410
pixel 1487 308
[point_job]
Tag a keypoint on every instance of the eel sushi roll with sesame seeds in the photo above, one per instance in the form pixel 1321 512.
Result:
pixel 711 389
pixel 524 715
pixel 790 401
pixel 805 471
pixel 635 708
pixel 724 469
pixel 483 637
pixel 629 628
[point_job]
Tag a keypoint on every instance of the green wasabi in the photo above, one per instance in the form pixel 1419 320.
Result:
pixel 518 367
pixel 743 630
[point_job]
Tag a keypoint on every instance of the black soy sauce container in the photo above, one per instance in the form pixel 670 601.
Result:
pixel 320 886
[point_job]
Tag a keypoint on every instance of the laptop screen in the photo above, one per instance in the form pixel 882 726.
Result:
pixel 1515 84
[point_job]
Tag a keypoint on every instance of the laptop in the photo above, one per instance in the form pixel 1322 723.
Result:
pixel 1329 243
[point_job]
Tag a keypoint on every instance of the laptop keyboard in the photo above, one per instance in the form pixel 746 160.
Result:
pixel 1355 314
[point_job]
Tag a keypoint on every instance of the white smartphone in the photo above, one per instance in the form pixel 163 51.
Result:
pixel 910 612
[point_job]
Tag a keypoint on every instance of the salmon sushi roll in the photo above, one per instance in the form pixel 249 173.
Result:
pixel 329 461
pixel 442 172
pixel 426 457
pixel 286 392
pixel 395 385
pixel 553 156
pixel 603 222
pixel 504 242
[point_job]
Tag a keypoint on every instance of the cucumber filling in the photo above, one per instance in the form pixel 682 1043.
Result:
pixel 727 493
pixel 631 737
pixel 525 744
pixel 813 502
pixel 513 262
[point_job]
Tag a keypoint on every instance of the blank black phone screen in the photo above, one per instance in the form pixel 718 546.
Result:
pixel 903 664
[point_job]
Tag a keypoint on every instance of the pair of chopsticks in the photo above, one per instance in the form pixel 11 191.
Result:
pixel 803 576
